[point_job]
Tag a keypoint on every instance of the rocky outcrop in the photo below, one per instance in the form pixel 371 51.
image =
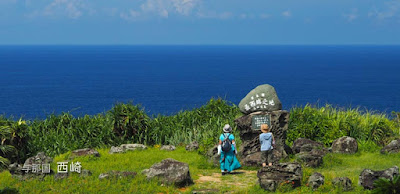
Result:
pixel 117 174
pixel 368 176
pixel 85 152
pixel 213 156
pixel 306 145
pixel 392 147
pixel 168 147
pixel 250 147
pixel 346 145
pixel 342 182
pixel 34 167
pixel 316 180
pixel 271 176
pixel 127 147
pixel 261 98
pixel 309 159
pixel 192 146
pixel 170 171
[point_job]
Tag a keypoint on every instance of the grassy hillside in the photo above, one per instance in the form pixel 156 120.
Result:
pixel 204 174
pixel 57 135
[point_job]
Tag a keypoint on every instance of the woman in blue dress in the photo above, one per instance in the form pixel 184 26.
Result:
pixel 228 160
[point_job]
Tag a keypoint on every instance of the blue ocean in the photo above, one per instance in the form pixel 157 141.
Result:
pixel 39 80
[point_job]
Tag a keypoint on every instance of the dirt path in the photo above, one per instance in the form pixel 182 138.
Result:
pixel 240 179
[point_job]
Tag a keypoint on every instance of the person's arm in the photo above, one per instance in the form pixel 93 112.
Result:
pixel 219 147
pixel 273 139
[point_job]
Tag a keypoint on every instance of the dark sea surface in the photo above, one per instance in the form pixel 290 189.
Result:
pixel 39 80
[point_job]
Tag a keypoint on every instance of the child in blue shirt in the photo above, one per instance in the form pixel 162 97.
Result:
pixel 267 141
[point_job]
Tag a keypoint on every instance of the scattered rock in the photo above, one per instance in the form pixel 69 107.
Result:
pixel 250 146
pixel 213 156
pixel 368 176
pixel 59 176
pixel 170 171
pixel 392 147
pixel 270 177
pixel 267 96
pixel 168 147
pixel 346 145
pixel 192 146
pixel 316 180
pixel 132 147
pixel 306 145
pixel 40 158
pixel 85 173
pixel 342 182
pixel 126 147
pixel 85 152
pixel 32 168
pixel 114 150
pixel 117 174
pixel 309 159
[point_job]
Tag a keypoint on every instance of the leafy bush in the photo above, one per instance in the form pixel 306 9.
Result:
pixel 131 123
pixel 61 133
pixel 383 185
pixel 325 124
pixel 13 140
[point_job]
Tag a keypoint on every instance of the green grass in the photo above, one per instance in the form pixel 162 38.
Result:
pixel 335 165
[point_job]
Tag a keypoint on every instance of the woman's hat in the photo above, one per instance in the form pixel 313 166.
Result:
pixel 227 128
pixel 264 128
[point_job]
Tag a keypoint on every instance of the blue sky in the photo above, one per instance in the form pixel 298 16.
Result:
pixel 199 22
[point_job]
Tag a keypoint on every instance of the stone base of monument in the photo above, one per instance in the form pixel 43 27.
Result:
pixel 285 173
pixel 249 128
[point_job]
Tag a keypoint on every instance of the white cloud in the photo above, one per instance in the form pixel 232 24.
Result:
pixel 163 8
pixel 287 14
pixel 390 11
pixel 73 9
pixel 131 15
pixel 351 16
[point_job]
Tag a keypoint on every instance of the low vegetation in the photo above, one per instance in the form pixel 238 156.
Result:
pixel 57 135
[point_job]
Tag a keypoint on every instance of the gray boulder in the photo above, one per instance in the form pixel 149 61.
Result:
pixel 261 98
pixel 271 176
pixel 306 145
pixel 250 147
pixel 170 171
pixel 309 159
pixel 346 145
pixel 192 146
pixel 368 176
pixel 392 147
pixel 84 152
pixel 213 156
pixel 115 149
pixel 32 168
pixel 316 180
pixel 127 147
pixel 133 147
pixel 342 182
pixel 117 174
pixel 168 147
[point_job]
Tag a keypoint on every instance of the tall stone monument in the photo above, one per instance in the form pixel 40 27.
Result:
pixel 261 106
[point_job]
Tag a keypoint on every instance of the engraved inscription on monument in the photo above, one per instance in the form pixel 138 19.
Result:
pixel 257 120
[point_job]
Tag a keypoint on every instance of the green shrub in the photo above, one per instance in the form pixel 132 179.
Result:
pixel 61 133
pixel 131 123
pixel 383 185
pixel 325 124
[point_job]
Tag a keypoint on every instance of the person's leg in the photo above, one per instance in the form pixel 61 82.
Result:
pixel 269 157
pixel 263 158
pixel 222 163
